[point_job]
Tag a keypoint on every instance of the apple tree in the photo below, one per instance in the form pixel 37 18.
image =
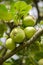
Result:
pixel 21 33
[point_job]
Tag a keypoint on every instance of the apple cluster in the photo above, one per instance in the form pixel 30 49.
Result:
pixel 19 34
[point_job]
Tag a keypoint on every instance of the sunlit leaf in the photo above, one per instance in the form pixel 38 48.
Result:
pixel 3 11
pixel 19 9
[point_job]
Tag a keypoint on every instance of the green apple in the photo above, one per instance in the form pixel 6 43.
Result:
pixel 17 34
pixel 40 62
pixel 41 22
pixel 29 21
pixel 29 32
pixel 10 44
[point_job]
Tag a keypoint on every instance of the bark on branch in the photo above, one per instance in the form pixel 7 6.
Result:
pixel 27 43
pixel 36 5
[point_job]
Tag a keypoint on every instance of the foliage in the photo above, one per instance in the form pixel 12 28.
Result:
pixel 12 15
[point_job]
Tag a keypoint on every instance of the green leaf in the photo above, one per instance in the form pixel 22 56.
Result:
pixel 8 17
pixel 7 63
pixel 3 28
pixel 34 47
pixel 1 35
pixel 3 11
pixel 19 9
pixel 38 55
pixel 19 5
pixel 22 6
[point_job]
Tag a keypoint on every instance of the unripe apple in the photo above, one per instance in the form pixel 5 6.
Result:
pixel 40 62
pixel 41 22
pixel 29 32
pixel 29 21
pixel 10 44
pixel 17 34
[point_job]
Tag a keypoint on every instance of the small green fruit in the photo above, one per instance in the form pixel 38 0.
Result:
pixel 40 62
pixel 10 44
pixel 17 34
pixel 29 32
pixel 41 22
pixel 29 21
